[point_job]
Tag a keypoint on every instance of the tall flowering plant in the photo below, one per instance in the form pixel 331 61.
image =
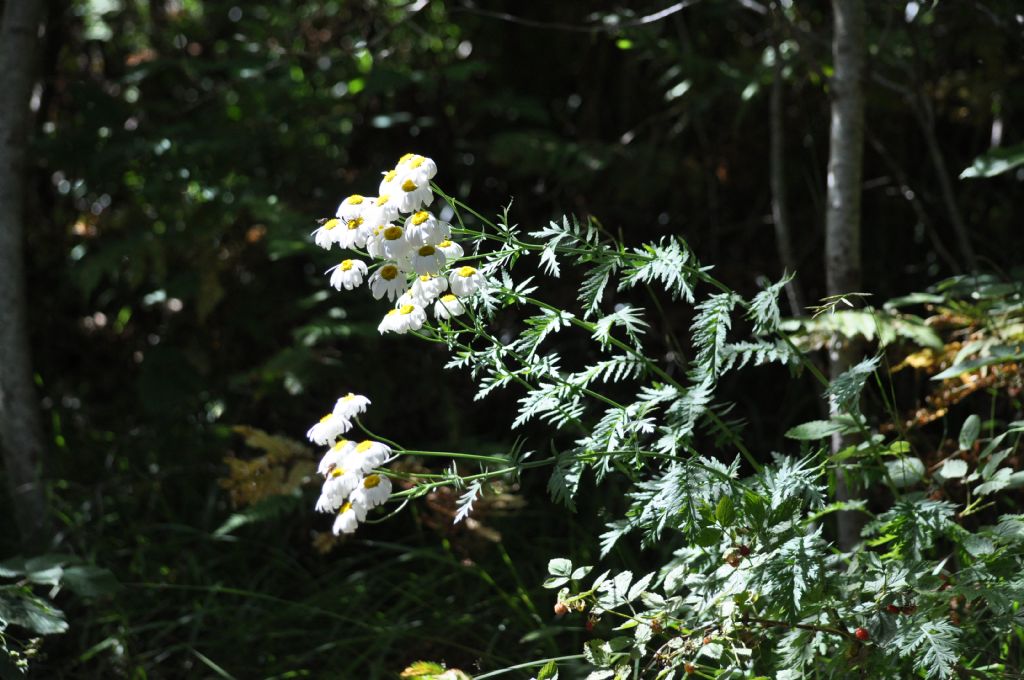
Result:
pixel 754 587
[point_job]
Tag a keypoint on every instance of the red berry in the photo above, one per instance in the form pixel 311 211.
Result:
pixel 689 668
pixel 744 550
pixel 706 640
pixel 561 609
pixel 892 609
pixel 590 625
pixel 909 609
pixel 862 634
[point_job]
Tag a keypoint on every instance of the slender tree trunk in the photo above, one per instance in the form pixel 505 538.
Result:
pixel 842 215
pixel 21 440
pixel 777 164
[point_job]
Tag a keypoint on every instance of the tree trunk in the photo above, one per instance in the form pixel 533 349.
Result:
pixel 21 440
pixel 842 216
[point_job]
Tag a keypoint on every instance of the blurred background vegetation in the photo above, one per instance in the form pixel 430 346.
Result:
pixel 184 338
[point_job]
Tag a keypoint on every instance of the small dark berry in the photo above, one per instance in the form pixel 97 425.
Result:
pixel 690 668
pixel 656 626
pixel 707 640
pixel 561 609
pixel 909 609
pixel 732 560
pixel 892 609
pixel 744 550
pixel 862 634
pixel 590 625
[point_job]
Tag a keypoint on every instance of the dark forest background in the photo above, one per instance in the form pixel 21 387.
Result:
pixel 183 337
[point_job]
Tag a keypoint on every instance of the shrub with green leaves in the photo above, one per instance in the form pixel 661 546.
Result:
pixel 756 585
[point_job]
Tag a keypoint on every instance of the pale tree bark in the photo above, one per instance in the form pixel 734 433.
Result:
pixel 21 440
pixel 842 215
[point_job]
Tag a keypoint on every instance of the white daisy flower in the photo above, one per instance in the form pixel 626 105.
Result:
pixel 352 207
pixel 382 209
pixel 365 456
pixel 448 306
pixel 426 288
pixel 327 234
pixel 414 194
pixel 389 183
pixel 354 233
pixel 340 483
pixel 402 320
pixel 416 167
pixel 334 457
pixel 348 275
pixel 351 405
pixel 465 281
pixel 423 229
pixel 329 428
pixel 427 260
pixel 393 245
pixel 452 251
pixel 349 517
pixel 373 242
pixel 388 280
pixel 374 491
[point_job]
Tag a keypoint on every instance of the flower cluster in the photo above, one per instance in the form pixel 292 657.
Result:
pixel 414 248
pixel 351 487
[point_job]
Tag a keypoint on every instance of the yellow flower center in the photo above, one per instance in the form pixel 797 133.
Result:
pixel 326 417
pixel 426 251
pixel 420 217
pixel 331 224
pixel 365 445
pixel 388 272
pixel 408 185
pixel 354 199
pixel 345 508
pixel 371 481
pixel 405 310
pixel 465 272
pixel 390 175
pixel 448 298
pixel 337 472
pixel 417 162
pixel 406 157
pixel 426 278
pixel 391 312
pixel 346 265
pixel 393 233
pixel 341 443
pixel 381 200
pixel 354 224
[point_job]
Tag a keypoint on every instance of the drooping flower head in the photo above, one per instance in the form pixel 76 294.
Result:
pixel 448 306
pixel 388 280
pixel 423 229
pixel 329 428
pixel 351 405
pixel 327 234
pixel 348 274
pixel 427 260
pixel 426 288
pixel 373 491
pixel 334 456
pixel 465 281
pixel 349 517
pixel 452 251
pixel 406 318
pixel 366 455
